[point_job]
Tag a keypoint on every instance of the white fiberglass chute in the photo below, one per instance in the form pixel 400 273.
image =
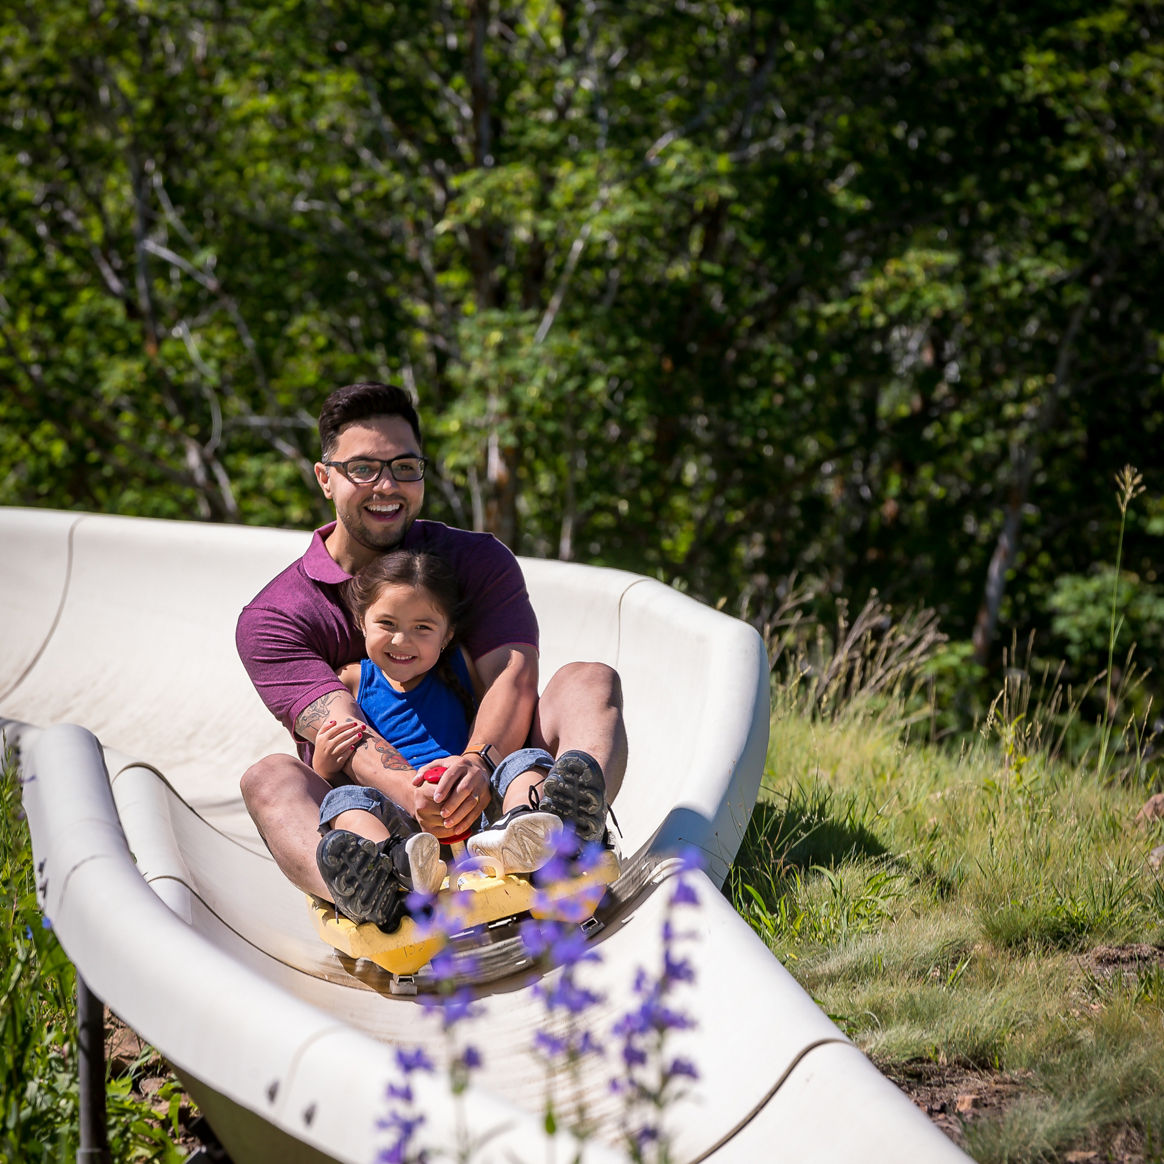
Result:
pixel 176 916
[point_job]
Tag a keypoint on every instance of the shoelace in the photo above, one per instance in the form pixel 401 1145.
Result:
pixel 535 799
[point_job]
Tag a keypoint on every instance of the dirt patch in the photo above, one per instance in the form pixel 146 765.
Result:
pixel 954 1097
pixel 1108 962
pixel 127 1054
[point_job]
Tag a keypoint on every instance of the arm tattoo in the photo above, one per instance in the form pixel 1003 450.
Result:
pixel 389 757
pixel 315 715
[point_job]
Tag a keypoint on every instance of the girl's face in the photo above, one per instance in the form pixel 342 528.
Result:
pixel 404 633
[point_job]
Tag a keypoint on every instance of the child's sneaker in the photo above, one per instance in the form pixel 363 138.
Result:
pixel 521 841
pixel 575 790
pixel 417 861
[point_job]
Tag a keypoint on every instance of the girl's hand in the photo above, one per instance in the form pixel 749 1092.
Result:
pixel 334 745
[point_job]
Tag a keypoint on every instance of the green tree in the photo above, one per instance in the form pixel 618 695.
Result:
pixel 718 292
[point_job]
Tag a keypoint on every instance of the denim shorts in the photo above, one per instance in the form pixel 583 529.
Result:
pixel 348 796
pixel 514 765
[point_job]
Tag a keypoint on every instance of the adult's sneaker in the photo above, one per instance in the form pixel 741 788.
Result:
pixel 575 791
pixel 369 880
pixel 521 841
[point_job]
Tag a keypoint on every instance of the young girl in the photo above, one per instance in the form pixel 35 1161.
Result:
pixel 416 689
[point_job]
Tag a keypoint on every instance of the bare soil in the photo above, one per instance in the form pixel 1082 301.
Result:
pixel 954 1097
pixel 125 1053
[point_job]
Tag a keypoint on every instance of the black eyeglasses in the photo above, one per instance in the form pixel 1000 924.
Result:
pixel 369 470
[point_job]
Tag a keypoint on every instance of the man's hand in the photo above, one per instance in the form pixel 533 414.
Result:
pixel 334 745
pixel 452 805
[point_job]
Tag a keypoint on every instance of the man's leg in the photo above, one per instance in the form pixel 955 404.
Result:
pixel 283 796
pixel 578 720
pixel 580 710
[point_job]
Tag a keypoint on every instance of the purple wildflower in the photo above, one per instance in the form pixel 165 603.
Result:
pixel 557 868
pixel 587 1045
pixel 565 994
pixel 444 964
pixel 404 1123
pixel 414 1060
pixel 549 1044
pixel 400 1091
pixel 647 1134
pixel 419 908
pixel 453 1007
pixel 572 947
pixel 538 937
pixel 677 969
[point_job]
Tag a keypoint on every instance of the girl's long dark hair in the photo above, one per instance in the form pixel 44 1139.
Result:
pixel 421 570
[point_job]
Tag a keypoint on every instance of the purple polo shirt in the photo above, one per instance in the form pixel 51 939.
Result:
pixel 296 633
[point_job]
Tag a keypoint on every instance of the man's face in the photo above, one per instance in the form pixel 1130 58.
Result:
pixel 372 518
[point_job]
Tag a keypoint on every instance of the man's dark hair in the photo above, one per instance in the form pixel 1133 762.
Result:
pixel 359 402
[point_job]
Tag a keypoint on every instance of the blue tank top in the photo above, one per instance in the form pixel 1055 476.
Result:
pixel 423 724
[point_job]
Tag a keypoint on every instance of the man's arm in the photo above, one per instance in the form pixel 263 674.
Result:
pixel 504 715
pixel 375 762
pixel 510 676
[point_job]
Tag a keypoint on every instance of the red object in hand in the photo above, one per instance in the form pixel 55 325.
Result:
pixel 432 776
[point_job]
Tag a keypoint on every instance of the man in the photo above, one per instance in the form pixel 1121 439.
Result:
pixel 563 753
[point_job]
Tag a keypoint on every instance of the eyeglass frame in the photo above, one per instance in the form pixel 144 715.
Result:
pixel 342 466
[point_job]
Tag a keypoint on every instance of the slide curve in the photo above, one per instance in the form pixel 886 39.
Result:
pixel 122 694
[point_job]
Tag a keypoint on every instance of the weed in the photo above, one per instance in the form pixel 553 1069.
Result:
pixel 39 1101
pixel 936 901
pixel 1129 485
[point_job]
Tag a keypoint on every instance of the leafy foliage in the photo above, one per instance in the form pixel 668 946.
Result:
pixel 717 292
pixel 39 1100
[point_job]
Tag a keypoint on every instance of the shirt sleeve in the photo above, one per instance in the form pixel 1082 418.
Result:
pixel 498 607
pixel 286 668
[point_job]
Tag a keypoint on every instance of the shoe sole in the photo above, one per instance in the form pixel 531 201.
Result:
pixel 577 793
pixel 523 846
pixel 426 870
pixel 360 879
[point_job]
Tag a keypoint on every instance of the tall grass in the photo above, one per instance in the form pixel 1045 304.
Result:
pixel 39 1105
pixel 1129 485
pixel 945 904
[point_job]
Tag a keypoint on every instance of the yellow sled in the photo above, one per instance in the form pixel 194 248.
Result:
pixel 466 900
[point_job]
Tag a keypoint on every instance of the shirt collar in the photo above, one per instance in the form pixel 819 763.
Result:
pixel 318 564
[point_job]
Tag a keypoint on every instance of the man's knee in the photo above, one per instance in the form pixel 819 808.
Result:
pixel 266 779
pixel 598 681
